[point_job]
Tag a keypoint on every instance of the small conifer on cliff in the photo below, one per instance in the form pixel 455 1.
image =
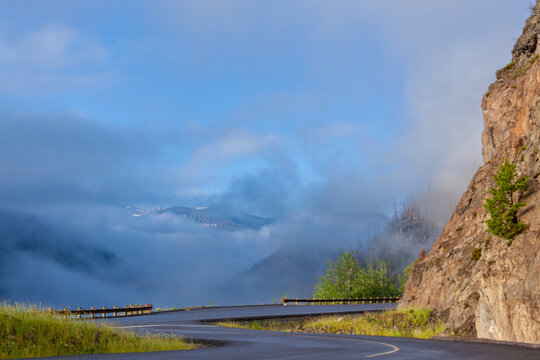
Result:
pixel 504 203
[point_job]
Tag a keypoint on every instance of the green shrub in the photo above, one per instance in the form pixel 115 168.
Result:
pixel 402 279
pixel 476 254
pixel 504 204
pixel 509 66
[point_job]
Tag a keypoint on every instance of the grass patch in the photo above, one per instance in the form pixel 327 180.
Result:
pixel 509 66
pixel 413 323
pixel 27 332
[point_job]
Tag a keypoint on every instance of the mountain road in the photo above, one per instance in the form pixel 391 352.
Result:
pixel 230 343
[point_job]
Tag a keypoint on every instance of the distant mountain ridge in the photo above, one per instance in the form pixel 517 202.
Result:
pixel 218 217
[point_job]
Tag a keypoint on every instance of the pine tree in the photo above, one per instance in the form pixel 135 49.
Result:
pixel 504 204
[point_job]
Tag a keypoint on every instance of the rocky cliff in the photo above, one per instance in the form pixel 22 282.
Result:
pixel 498 295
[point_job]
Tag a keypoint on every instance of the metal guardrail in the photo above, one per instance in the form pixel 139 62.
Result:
pixel 370 300
pixel 115 311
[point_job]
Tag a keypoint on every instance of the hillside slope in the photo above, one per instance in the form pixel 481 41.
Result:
pixel 498 295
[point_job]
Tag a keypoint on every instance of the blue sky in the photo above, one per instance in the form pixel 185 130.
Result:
pixel 169 102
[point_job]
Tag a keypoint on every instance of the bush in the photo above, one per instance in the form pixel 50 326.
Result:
pixel 476 253
pixel 509 66
pixel 504 204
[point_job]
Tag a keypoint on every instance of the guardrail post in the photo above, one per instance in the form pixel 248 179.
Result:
pixel 104 314
pixel 66 312
pixel 92 313
pixel 79 312
pixel 115 314
pixel 130 311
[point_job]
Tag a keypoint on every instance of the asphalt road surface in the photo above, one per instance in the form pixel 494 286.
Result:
pixel 237 344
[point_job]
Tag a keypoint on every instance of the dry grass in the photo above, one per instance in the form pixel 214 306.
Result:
pixel 413 323
pixel 27 332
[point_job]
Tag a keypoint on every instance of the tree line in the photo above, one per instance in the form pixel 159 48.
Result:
pixel 347 278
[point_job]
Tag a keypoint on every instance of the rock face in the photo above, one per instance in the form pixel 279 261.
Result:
pixel 498 295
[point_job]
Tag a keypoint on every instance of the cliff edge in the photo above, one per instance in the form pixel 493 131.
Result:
pixel 498 295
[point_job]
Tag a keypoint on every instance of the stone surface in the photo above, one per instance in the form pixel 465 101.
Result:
pixel 498 295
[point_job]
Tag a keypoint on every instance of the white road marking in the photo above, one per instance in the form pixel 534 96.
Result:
pixel 394 348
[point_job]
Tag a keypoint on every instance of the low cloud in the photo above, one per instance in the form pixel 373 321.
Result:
pixel 209 159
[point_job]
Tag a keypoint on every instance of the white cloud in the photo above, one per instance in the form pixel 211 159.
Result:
pixel 233 146
pixel 55 57
pixel 54 46
pixel 337 130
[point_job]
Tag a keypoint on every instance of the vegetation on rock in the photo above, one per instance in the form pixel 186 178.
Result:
pixel 504 204
pixel 476 254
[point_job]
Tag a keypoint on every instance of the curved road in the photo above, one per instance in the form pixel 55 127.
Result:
pixel 250 344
